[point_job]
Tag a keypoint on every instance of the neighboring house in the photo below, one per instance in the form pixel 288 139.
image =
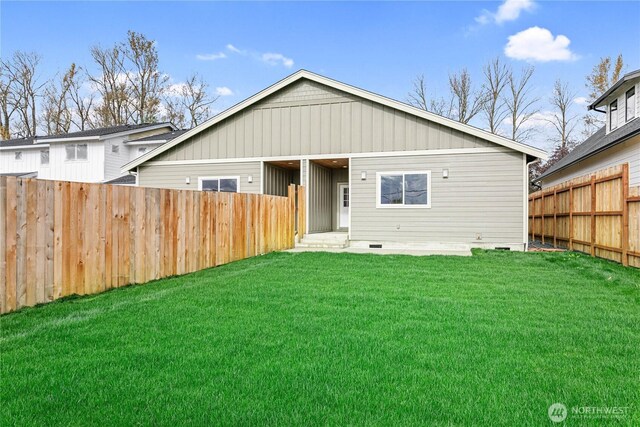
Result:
pixel 381 170
pixel 615 143
pixel 94 155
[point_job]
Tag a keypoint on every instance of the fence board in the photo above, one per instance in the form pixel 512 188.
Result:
pixel 598 214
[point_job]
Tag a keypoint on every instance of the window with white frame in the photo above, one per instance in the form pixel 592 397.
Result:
pixel 76 151
pixel 115 148
pixel 227 184
pixel 404 189
pixel 18 155
pixel 630 112
pixel 613 115
pixel 142 150
pixel 44 157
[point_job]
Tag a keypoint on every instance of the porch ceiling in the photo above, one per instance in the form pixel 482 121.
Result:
pixel 333 163
pixel 287 164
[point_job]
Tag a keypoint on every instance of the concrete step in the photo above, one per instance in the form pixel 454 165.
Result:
pixel 324 240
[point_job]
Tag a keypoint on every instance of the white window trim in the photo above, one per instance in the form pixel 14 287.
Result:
pixel 45 165
pixel 635 104
pixel 205 178
pixel 403 173
pixel 19 153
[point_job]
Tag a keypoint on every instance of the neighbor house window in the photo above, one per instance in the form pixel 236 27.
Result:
pixel 44 157
pixel 18 155
pixel 613 115
pixel 631 104
pixel 115 148
pixel 404 189
pixel 224 184
pixel 142 150
pixel 76 151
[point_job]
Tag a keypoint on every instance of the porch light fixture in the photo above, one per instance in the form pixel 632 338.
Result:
pixel 363 175
pixel 250 179
pixel 187 180
pixel 445 173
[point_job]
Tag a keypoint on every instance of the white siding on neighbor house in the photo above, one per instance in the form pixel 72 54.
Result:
pixel 620 96
pixel 30 160
pixel 174 176
pixel 625 152
pixel 90 170
pixel 482 196
pixel 126 153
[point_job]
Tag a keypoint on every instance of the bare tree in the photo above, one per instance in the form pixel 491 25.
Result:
pixel 7 101
pixel 563 122
pixel 56 112
pixel 145 80
pixel 22 71
pixel 111 84
pixel 189 102
pixel 520 103
pixel 420 98
pixel 602 77
pixel 467 102
pixel 81 104
pixel 496 78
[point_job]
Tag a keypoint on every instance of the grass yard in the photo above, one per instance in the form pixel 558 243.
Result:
pixel 335 339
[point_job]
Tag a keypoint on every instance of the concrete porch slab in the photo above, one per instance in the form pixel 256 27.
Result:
pixel 413 252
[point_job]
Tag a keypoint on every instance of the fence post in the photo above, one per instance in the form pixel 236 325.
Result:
pixel 593 215
pixel 571 217
pixel 555 203
pixel 625 213
pixel 543 229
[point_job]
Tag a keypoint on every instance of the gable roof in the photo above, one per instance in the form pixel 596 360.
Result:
pixel 304 74
pixel 627 77
pixel 595 144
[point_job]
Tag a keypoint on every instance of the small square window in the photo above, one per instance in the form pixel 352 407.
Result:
pixel 142 150
pixel 44 157
pixel 115 148
pixel 18 155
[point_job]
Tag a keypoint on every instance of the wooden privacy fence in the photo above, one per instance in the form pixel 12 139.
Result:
pixel 598 214
pixel 62 238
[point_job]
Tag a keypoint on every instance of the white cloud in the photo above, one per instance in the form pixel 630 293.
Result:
pixel 234 49
pixel 211 56
pixel 581 100
pixel 538 44
pixel 224 91
pixel 175 89
pixel 276 59
pixel 509 10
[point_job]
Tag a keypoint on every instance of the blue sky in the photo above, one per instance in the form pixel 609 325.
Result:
pixel 378 46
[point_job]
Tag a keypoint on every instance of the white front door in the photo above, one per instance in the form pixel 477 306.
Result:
pixel 343 205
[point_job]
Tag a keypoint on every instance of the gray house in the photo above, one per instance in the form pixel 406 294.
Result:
pixel 381 171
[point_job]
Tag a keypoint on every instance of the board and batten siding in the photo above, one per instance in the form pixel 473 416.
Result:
pixel 625 152
pixel 483 196
pixel 316 122
pixel 320 192
pixel 277 180
pixel 174 176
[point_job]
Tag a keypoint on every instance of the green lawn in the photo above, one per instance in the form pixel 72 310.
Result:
pixel 317 338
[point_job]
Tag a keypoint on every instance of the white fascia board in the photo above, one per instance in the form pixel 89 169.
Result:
pixel 348 89
pixel 24 147
pixel 138 130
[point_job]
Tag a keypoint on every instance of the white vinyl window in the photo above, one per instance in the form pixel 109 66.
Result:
pixel 403 189
pixel 44 157
pixel 76 151
pixel 18 155
pixel 227 184
pixel 630 112
pixel 115 148
pixel 142 150
pixel 613 115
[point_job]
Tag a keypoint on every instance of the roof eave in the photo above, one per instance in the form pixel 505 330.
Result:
pixel 601 100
